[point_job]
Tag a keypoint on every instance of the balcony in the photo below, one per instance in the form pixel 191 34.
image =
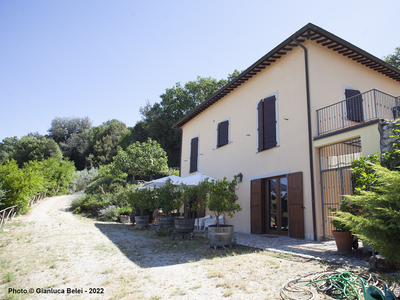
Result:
pixel 357 110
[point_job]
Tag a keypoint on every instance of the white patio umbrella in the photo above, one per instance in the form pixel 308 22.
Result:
pixel 157 183
pixel 195 179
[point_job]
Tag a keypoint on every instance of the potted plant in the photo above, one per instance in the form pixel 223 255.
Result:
pixel 168 200
pixel 342 233
pixel 141 200
pixel 193 199
pixel 222 200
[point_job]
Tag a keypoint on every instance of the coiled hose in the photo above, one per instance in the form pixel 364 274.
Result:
pixel 338 285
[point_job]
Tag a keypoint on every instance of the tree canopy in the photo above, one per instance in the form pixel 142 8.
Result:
pixel 393 59
pixel 30 147
pixel 62 128
pixel 144 159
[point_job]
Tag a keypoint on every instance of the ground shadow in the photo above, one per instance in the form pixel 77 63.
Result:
pixel 149 248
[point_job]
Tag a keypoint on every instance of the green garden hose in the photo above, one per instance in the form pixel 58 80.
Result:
pixel 338 285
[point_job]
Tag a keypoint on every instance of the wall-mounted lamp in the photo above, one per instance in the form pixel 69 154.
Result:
pixel 240 177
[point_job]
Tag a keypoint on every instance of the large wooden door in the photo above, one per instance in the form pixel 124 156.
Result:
pixel 276 205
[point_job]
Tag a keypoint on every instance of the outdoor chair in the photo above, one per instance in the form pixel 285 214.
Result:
pixel 213 221
pixel 201 221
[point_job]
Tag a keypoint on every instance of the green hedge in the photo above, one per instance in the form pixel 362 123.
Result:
pixel 51 177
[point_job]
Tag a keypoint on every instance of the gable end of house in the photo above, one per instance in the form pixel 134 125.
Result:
pixel 309 32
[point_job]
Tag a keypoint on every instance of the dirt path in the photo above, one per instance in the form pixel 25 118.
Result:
pixel 50 249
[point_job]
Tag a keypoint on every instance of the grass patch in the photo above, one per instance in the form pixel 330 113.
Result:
pixel 8 277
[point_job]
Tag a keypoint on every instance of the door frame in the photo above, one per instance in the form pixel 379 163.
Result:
pixel 258 218
pixel 278 220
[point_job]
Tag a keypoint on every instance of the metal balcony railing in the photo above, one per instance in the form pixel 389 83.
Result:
pixel 357 110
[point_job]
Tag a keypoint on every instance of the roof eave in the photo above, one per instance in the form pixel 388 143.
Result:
pixel 310 31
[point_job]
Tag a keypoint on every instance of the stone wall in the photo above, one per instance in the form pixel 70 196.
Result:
pixel 387 128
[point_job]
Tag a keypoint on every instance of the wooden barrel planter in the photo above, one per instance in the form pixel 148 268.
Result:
pixel 142 221
pixel 220 236
pixel 167 222
pixel 184 226
pixel 132 218
pixel 124 218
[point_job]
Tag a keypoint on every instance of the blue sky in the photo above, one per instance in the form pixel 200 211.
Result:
pixel 104 59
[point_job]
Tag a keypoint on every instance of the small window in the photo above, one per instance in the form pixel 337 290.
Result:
pixel 194 154
pixel 223 133
pixel 267 123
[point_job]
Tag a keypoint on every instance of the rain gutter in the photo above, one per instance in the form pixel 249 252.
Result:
pixel 310 140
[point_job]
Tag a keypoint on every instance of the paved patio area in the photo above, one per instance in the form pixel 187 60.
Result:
pixel 323 250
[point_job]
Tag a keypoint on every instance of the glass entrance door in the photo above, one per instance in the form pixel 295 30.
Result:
pixel 276 198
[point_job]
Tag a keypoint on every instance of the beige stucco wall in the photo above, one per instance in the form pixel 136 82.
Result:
pixel 369 135
pixel 285 78
pixel 370 143
pixel 329 72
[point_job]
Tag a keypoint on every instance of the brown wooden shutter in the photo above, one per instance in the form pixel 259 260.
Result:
pixel 295 205
pixel 194 151
pixel 354 105
pixel 256 206
pixel 260 112
pixel 269 123
pixel 223 133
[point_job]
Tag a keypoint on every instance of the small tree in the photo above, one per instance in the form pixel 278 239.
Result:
pixel 141 199
pixel 145 159
pixel 194 197
pixel 222 198
pixel 169 198
pixel 379 223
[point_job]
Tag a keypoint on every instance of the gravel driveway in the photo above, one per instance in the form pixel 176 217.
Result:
pixel 58 255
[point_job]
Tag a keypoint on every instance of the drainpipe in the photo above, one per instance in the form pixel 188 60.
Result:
pixel 180 156
pixel 310 144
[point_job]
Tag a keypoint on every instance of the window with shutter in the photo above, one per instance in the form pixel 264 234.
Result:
pixel 194 153
pixel 223 133
pixel 267 123
pixel 354 105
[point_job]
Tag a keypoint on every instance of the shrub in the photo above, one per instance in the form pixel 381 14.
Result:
pixel 82 179
pixel 125 210
pixel 57 174
pixel 345 206
pixel 141 200
pixel 110 213
pixel 105 185
pixel 20 184
pixel 2 193
pixel 92 204
pixel 121 197
pixel 379 223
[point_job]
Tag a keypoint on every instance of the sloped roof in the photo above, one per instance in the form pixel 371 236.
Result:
pixel 308 32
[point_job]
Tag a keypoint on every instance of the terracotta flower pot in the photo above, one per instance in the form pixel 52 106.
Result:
pixel 344 240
